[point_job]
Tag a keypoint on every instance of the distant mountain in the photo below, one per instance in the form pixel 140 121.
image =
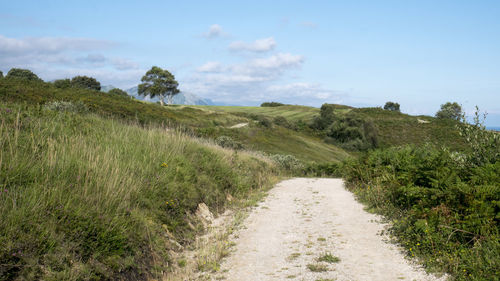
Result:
pixel 180 98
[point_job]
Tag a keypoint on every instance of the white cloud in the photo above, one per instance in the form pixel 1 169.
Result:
pixel 278 61
pixel 214 31
pixel 254 81
pixel 259 45
pixel 211 66
pixel 49 45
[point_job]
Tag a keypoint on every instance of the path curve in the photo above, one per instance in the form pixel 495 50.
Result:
pixel 303 219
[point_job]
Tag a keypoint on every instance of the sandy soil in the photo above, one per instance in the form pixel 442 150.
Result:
pixel 304 219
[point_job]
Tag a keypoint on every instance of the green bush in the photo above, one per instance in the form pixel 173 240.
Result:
pixel 288 162
pixel 228 142
pixel 23 74
pixel 442 211
pixel 62 83
pixel 271 104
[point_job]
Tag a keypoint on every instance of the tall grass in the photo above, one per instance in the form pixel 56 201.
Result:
pixel 86 198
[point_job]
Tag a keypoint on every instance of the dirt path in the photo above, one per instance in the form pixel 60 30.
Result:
pixel 304 219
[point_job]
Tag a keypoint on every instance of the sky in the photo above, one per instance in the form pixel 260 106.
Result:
pixel 420 54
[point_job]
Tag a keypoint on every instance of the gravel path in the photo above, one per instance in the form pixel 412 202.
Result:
pixel 303 219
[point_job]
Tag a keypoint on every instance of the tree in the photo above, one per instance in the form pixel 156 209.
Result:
pixel 159 83
pixel 85 82
pixel 62 83
pixel 118 92
pixel 1 74
pixel 392 106
pixel 450 111
pixel 25 74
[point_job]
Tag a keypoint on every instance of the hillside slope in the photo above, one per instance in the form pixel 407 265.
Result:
pixel 89 198
pixel 198 122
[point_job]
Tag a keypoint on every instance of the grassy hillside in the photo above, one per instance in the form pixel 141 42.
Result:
pixel 88 198
pixel 291 112
pixel 193 120
pixel 395 128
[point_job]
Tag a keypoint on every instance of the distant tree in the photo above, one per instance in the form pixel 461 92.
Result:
pixel 118 92
pixel 325 118
pixel 450 111
pixel 85 82
pixel 160 83
pixel 20 73
pixel 62 83
pixel 271 104
pixel 392 106
pixel 1 74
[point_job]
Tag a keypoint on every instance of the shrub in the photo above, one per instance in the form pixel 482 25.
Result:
pixel 25 74
pixel 353 133
pixel 271 104
pixel 283 122
pixel 325 117
pixel 85 82
pixel 62 83
pixel 450 111
pixel 392 106
pixel 288 162
pixel 484 145
pixel 442 211
pixel 118 92
pixel 66 106
pixel 228 142
pixel 264 121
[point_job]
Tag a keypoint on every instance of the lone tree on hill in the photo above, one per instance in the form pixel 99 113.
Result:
pixel 158 82
pixel 392 106
pixel 85 82
pixel 450 111
pixel 20 73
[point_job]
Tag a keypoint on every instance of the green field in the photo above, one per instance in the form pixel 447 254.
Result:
pixel 291 112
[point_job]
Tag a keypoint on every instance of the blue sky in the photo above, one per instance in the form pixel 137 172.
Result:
pixel 361 53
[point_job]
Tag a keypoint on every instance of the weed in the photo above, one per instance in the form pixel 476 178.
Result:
pixel 317 267
pixel 329 258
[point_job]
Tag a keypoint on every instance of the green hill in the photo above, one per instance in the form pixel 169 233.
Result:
pixel 197 121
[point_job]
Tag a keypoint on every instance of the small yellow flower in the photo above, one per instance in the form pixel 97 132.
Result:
pixel 164 165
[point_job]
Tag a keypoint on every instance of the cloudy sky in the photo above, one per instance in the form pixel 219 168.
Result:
pixel 360 53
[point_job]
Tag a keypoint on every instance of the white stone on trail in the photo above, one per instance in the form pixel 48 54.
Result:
pixel 240 125
pixel 301 220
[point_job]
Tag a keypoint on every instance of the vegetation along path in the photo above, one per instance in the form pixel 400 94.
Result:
pixel 314 229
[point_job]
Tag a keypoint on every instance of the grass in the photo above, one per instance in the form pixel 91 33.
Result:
pixel 193 120
pixel 329 258
pixel 89 198
pixel 290 112
pixel 316 267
